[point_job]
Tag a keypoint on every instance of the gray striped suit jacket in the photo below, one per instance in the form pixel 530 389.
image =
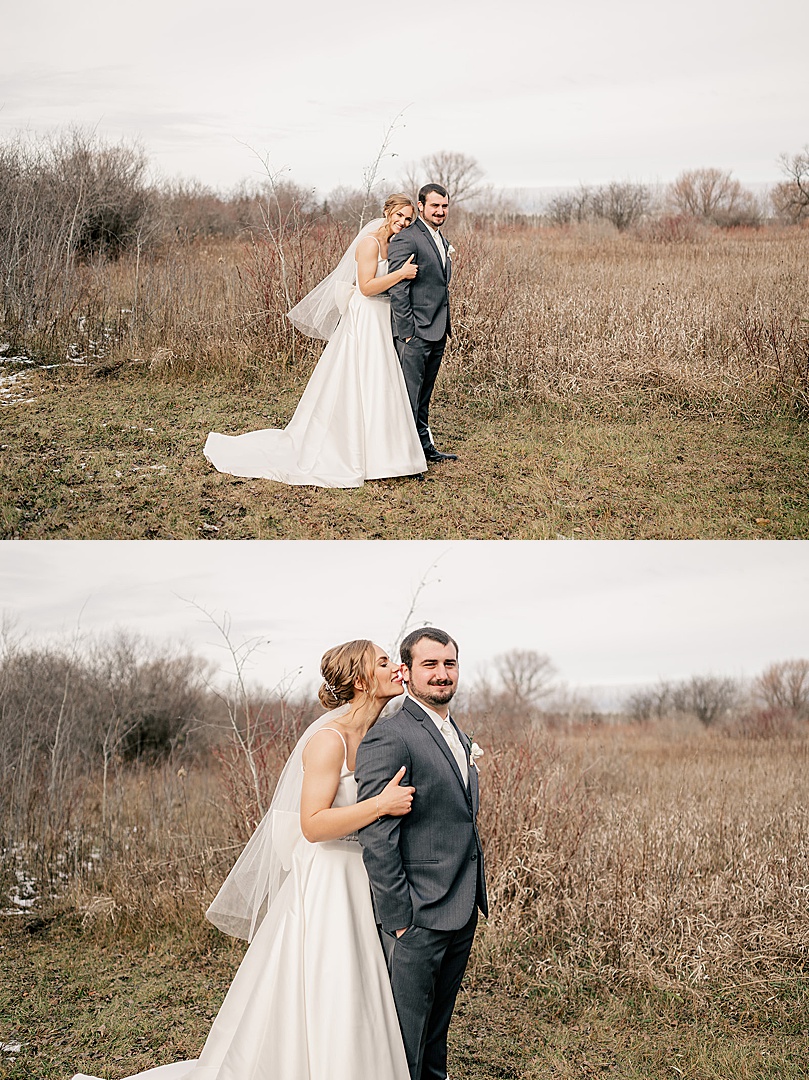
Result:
pixel 426 868
pixel 419 307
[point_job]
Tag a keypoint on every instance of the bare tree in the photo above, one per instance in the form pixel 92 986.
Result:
pixel 791 197
pixel 713 196
pixel 525 675
pixel 785 686
pixel 458 173
pixel 707 697
pixel 649 703
pixel 623 204
pixel 570 206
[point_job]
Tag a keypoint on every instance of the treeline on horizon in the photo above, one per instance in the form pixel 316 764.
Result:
pixel 121 698
pixel 101 194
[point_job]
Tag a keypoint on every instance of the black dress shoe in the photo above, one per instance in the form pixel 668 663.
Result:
pixel 434 455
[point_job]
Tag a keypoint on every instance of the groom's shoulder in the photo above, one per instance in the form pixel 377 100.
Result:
pixel 411 235
pixel 398 721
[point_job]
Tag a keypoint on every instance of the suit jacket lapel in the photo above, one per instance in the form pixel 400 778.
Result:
pixel 429 237
pixel 416 711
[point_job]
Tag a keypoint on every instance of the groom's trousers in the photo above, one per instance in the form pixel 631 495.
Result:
pixel 426 967
pixel 420 362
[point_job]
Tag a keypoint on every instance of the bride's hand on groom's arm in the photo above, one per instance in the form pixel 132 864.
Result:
pixel 395 800
pixel 409 270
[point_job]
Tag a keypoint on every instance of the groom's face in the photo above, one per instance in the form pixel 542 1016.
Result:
pixel 433 675
pixel 434 209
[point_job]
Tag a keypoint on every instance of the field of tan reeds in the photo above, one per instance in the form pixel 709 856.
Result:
pixel 614 853
pixel 581 314
pixel 626 863
pixel 598 385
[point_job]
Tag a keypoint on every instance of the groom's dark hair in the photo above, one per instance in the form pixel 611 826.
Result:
pixel 441 637
pixel 425 191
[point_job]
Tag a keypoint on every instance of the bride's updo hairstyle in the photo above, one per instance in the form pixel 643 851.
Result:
pixel 394 201
pixel 342 667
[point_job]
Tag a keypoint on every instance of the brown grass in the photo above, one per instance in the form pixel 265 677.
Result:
pixel 574 315
pixel 597 385
pixel 624 856
pixel 648 890
pixel 612 854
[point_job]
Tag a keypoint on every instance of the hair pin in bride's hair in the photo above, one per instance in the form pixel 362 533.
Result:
pixel 332 690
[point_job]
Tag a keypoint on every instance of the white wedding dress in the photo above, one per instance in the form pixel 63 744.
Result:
pixel 354 421
pixel 311 999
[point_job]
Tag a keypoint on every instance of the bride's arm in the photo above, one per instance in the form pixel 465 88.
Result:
pixel 323 759
pixel 367 282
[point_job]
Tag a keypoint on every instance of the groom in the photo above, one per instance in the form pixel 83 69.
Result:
pixel 426 869
pixel 420 307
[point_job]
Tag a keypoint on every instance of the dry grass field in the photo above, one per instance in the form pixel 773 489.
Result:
pixel 598 385
pixel 649 914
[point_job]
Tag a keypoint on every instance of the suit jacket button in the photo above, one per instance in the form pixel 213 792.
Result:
pixel 474 857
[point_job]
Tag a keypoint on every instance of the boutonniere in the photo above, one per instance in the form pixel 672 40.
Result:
pixel 475 752
pixel 450 250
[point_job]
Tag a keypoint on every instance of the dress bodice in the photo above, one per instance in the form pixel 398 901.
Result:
pixel 347 788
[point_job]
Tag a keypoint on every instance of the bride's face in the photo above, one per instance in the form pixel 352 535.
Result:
pixel 400 218
pixel 386 676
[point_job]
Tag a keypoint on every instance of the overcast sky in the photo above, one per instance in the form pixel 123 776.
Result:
pixel 607 613
pixel 541 95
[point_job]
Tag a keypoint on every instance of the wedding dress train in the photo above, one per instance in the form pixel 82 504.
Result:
pixel 354 421
pixel 311 999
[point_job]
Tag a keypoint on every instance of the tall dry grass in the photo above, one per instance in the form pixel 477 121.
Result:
pixel 672 857
pixel 589 314
pixel 633 855
pixel 704 319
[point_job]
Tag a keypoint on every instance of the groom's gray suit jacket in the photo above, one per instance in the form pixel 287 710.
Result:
pixel 426 868
pixel 419 307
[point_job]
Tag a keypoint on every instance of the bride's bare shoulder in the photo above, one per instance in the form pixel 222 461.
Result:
pixel 325 745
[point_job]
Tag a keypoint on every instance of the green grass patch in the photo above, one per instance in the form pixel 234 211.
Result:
pixel 76 1000
pixel 120 457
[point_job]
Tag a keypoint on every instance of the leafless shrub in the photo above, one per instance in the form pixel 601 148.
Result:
pixel 570 207
pixel 790 198
pixel 669 229
pixel 713 196
pixel 649 703
pixel 63 203
pixel 622 204
pixel 709 698
pixel 785 686
pixel 508 699
pixel 768 723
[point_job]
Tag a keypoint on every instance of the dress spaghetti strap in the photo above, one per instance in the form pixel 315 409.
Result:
pixel 342 740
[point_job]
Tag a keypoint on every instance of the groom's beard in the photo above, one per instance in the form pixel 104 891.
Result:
pixel 438 693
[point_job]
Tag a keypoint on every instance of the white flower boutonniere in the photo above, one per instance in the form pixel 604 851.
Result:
pixel 450 250
pixel 475 752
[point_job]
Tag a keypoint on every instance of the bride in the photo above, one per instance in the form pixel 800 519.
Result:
pixel 312 998
pixel 354 421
